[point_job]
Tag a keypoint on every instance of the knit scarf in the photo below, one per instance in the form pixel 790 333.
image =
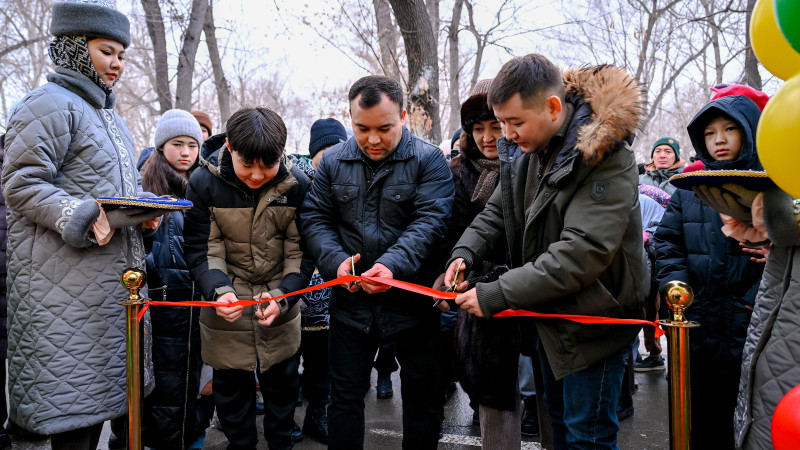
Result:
pixel 489 170
pixel 72 52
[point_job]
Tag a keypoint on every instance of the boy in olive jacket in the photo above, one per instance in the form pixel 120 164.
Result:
pixel 242 242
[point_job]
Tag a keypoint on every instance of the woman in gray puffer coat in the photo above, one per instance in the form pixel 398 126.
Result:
pixel 65 147
pixel 771 358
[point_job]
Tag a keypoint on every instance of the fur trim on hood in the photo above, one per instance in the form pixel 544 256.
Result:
pixel 617 108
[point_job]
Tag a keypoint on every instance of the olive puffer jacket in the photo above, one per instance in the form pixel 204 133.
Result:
pixel 246 241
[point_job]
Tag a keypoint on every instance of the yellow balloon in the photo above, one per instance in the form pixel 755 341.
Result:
pixel 770 45
pixel 777 138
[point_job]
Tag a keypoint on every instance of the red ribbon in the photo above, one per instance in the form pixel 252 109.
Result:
pixel 417 289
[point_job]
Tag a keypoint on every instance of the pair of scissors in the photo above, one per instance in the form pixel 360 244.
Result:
pixel 452 287
pixel 353 270
pixel 261 312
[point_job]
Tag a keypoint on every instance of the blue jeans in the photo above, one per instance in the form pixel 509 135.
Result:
pixel 583 405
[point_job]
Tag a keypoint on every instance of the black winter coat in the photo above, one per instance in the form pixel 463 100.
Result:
pixel 394 215
pixel 691 248
pixel 170 410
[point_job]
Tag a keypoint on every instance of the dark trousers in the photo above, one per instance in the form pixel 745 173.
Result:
pixel 316 382
pixel 80 439
pixel 385 360
pixel 234 395
pixel 351 357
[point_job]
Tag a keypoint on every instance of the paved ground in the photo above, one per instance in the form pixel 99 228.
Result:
pixel 648 429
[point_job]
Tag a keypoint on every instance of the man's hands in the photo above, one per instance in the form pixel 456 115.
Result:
pixel 229 313
pixel 456 267
pixel 469 301
pixel 378 270
pixel 370 287
pixel 346 268
pixel 266 314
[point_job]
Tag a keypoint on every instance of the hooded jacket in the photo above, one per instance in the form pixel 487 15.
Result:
pixel 66 341
pixel 578 250
pixel 245 241
pixel 691 248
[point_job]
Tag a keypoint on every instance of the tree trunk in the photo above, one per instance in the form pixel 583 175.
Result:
pixel 191 40
pixel 155 28
pixel 455 70
pixel 752 77
pixel 423 68
pixel 220 82
pixel 387 39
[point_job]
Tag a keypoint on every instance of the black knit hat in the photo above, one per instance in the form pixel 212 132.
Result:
pixel 324 133
pixel 91 18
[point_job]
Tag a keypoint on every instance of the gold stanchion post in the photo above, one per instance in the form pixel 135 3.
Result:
pixel 133 279
pixel 679 296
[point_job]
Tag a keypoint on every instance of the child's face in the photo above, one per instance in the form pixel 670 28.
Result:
pixel 255 174
pixel 181 153
pixel 723 139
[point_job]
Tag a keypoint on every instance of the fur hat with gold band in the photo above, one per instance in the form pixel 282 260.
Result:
pixel 92 18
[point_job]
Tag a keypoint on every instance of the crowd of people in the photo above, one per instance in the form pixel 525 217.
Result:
pixel 541 208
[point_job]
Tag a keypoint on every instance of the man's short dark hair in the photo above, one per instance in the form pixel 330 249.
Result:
pixel 530 76
pixel 256 134
pixel 371 87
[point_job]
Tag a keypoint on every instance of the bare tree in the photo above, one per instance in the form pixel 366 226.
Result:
pixel 751 76
pixel 191 40
pixel 220 82
pixel 158 36
pixel 387 39
pixel 423 68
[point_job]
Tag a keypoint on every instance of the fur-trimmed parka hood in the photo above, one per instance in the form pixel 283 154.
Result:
pixel 615 102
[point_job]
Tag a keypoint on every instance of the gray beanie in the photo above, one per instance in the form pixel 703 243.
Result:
pixel 92 18
pixel 177 122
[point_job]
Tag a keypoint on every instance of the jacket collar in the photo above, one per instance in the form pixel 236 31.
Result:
pixel 83 86
pixel 608 110
pixel 404 150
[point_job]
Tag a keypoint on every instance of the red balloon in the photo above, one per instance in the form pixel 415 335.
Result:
pixel 786 421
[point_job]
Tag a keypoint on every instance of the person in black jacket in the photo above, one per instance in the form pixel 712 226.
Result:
pixel 169 415
pixel 378 205
pixel 691 247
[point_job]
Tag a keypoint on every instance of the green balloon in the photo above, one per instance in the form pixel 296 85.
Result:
pixel 787 13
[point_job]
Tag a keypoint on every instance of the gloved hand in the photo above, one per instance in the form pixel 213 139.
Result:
pixel 76 230
pixel 742 195
pixel 128 217
pixel 724 202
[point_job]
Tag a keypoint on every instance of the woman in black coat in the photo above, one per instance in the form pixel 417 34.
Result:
pixel 487 350
pixel 170 420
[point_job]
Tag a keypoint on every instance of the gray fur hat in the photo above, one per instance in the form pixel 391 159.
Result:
pixel 92 18
pixel 177 122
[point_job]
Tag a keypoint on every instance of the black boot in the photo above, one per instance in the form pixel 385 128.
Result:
pixel 530 417
pixel 315 424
